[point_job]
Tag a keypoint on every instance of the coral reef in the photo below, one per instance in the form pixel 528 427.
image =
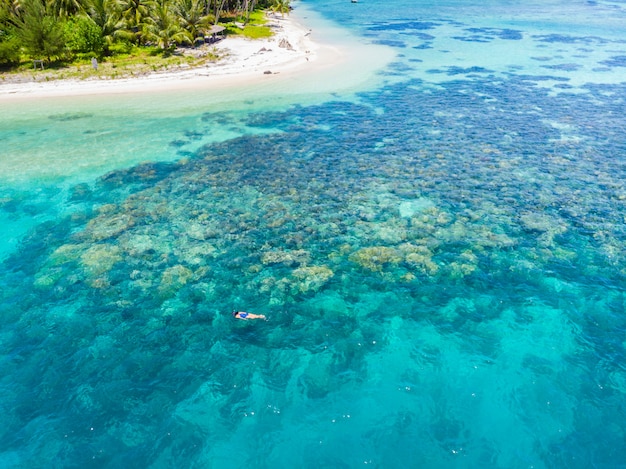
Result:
pixel 375 258
pixel 428 243
pixel 311 278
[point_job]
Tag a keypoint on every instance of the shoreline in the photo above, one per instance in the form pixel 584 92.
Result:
pixel 290 52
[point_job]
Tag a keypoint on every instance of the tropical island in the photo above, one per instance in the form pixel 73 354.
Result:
pixel 43 40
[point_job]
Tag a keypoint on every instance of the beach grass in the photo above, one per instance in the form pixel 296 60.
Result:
pixel 254 31
pixel 124 63
pixel 255 28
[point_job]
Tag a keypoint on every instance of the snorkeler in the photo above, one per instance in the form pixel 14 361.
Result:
pixel 246 316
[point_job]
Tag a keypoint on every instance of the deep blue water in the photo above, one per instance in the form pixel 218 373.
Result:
pixel 442 260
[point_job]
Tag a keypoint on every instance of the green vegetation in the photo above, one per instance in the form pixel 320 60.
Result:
pixel 127 37
pixel 136 61
pixel 254 28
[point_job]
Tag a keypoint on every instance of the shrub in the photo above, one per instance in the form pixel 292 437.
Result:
pixel 83 36
pixel 39 33
pixel 9 50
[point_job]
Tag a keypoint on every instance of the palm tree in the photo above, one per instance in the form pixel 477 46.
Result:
pixel 136 13
pixel 9 44
pixel 106 14
pixel 13 6
pixel 247 7
pixel 5 12
pixel 281 6
pixel 164 29
pixel 190 15
pixel 218 9
pixel 39 31
pixel 64 8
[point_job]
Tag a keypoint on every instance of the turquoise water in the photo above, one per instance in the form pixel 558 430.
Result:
pixel 441 256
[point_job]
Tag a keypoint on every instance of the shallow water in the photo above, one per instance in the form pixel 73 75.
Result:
pixel 441 258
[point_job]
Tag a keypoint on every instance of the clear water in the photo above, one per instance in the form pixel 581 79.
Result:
pixel 440 252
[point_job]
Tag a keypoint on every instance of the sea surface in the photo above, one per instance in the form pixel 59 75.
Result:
pixel 439 248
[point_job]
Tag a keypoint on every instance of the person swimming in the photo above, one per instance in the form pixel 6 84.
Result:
pixel 246 316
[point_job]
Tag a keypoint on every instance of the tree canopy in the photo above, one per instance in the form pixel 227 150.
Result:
pixel 64 29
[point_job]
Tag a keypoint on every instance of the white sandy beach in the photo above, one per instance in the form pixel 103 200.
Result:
pixel 290 51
